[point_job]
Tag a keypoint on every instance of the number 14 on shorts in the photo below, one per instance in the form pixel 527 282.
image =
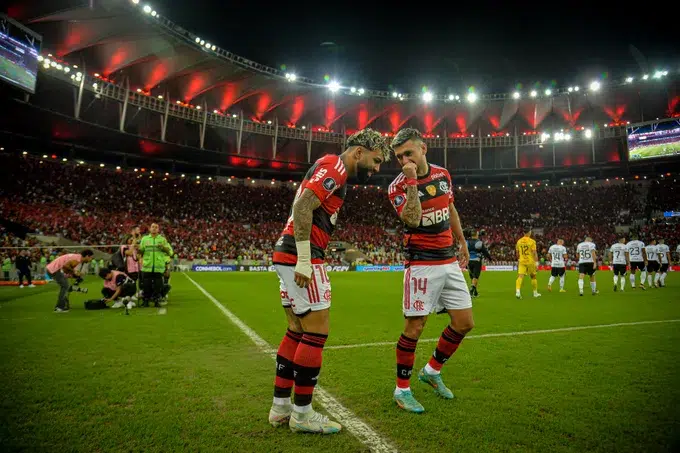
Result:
pixel 415 286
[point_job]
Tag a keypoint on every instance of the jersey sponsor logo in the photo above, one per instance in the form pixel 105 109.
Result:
pixel 437 175
pixel 435 217
pixel 432 190
pixel 399 200
pixel 329 184
pixel 443 186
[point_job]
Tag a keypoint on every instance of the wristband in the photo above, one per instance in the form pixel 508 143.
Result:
pixel 304 252
pixel 304 256
pixel 411 182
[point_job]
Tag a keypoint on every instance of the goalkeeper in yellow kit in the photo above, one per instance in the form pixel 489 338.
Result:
pixel 527 262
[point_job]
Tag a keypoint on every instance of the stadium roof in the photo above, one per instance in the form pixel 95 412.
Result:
pixel 127 41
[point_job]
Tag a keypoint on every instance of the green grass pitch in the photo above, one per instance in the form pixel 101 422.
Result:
pixel 190 380
pixel 645 152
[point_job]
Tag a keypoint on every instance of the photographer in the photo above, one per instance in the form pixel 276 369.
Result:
pixel 477 251
pixel 118 285
pixel 64 266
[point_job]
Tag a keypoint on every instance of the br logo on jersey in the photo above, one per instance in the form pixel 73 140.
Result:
pixel 329 184
pixel 399 200
pixel 443 186
pixel 432 190
pixel 435 217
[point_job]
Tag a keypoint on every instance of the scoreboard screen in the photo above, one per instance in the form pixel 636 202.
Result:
pixel 19 50
pixel 654 140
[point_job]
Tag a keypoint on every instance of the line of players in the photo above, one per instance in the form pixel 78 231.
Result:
pixel 651 260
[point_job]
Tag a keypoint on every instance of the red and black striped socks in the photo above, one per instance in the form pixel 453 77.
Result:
pixel 446 346
pixel 307 365
pixel 285 376
pixel 406 355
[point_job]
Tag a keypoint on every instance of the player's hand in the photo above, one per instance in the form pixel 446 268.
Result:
pixel 463 255
pixel 303 274
pixel 410 170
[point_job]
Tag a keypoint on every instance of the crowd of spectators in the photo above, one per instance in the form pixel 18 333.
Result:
pixel 220 221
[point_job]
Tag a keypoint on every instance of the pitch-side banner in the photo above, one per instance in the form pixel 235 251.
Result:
pixel 329 268
pixel 491 267
pixel 213 268
pixel 399 268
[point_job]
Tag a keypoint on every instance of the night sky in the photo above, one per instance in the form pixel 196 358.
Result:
pixel 445 48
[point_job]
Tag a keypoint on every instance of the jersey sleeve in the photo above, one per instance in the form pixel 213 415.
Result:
pixel 533 246
pixel 327 177
pixel 397 194
pixel 448 177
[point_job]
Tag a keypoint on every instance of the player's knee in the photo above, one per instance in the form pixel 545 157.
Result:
pixel 413 327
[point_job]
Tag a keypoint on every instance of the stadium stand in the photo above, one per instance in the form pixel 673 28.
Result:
pixel 222 221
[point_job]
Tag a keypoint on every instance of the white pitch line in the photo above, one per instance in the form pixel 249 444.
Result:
pixel 364 433
pixel 507 334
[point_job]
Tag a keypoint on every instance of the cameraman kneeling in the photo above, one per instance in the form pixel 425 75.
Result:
pixel 117 284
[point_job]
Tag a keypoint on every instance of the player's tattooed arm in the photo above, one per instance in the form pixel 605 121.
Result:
pixel 412 212
pixel 303 208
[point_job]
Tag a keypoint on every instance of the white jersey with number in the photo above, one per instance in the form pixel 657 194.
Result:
pixel 557 253
pixel 652 253
pixel 663 250
pixel 619 253
pixel 635 251
pixel 585 252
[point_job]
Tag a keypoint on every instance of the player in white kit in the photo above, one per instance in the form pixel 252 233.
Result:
pixel 653 264
pixel 618 254
pixel 665 255
pixel 638 260
pixel 558 259
pixel 587 257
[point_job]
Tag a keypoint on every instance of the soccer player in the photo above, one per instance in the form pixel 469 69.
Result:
pixel 60 269
pixel 477 251
pixel 433 280
pixel 665 255
pixel 558 263
pixel 620 259
pixel 304 285
pixel 527 262
pixel 587 257
pixel 653 265
pixel 638 260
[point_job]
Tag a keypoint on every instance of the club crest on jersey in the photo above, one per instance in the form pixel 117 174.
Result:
pixel 432 190
pixel 443 186
pixel 329 184
pixel 399 200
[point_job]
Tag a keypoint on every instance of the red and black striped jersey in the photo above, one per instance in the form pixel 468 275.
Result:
pixel 326 179
pixel 432 241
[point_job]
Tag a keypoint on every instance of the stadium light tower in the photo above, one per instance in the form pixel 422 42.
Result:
pixel 588 133
pixel 516 95
pixel 472 98
pixel 548 92
pixel 533 93
pixel 427 96
pixel 595 85
pixel 147 9
pixel 334 86
pixel 629 80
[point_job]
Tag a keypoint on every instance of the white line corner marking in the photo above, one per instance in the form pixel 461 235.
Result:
pixel 364 433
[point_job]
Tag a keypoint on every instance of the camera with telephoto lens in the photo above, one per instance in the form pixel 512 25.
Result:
pixel 76 288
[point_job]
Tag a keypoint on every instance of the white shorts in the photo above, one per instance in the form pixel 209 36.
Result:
pixel 317 296
pixel 429 289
